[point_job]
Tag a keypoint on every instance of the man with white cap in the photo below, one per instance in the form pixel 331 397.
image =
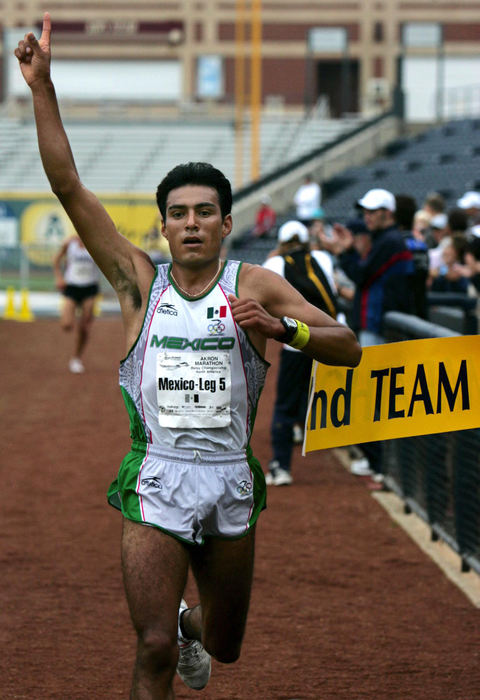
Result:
pixel 382 276
pixel 311 273
pixel 440 237
pixel 470 203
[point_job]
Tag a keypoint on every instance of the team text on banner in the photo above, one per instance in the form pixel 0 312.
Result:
pixel 414 387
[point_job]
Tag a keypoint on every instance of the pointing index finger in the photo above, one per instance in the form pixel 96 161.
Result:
pixel 46 29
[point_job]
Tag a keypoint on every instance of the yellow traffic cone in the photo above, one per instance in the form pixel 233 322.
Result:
pixel 9 312
pixel 25 312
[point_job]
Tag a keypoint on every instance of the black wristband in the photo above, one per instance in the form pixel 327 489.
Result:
pixel 291 328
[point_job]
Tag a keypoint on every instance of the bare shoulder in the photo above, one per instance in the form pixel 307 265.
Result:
pixel 68 241
pixel 257 282
pixel 62 250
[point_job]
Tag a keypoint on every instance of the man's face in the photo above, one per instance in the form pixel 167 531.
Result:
pixel 473 212
pixel 377 219
pixel 194 227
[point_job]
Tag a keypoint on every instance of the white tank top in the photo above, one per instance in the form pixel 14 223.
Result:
pixel 193 379
pixel 80 270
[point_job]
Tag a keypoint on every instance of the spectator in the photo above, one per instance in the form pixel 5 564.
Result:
pixel 421 224
pixel 404 215
pixel 472 261
pixel 318 230
pixel 442 227
pixel 452 275
pixel 382 274
pixel 322 238
pixel 457 220
pixel 437 238
pixel 307 200
pixel 265 219
pixel 470 203
pixel 311 273
pixel 434 204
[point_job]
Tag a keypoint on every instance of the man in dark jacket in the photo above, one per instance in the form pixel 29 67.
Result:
pixel 406 207
pixel 382 270
pixel 381 273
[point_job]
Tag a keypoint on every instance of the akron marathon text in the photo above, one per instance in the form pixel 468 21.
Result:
pixel 390 391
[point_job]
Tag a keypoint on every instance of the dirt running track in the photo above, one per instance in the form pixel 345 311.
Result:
pixel 344 604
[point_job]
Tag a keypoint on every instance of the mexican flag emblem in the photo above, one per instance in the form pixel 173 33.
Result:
pixel 218 312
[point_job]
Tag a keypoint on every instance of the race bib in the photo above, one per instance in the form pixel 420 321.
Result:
pixel 81 271
pixel 193 389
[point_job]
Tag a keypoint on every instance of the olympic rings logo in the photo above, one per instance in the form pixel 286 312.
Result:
pixel 216 327
pixel 244 487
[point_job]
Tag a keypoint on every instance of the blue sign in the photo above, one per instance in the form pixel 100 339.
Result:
pixel 210 77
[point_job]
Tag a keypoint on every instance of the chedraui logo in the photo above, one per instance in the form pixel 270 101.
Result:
pixel 173 343
pixel 44 225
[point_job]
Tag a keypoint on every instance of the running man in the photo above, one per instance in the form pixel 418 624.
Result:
pixel 196 330
pixel 77 277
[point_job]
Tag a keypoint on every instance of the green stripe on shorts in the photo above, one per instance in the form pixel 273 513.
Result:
pixel 259 486
pixel 122 493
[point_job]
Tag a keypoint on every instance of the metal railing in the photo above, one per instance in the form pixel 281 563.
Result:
pixel 437 476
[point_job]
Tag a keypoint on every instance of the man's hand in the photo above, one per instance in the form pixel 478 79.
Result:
pixel 248 313
pixel 343 236
pixel 34 56
pixel 60 283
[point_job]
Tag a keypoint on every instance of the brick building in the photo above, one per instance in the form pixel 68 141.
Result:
pixel 187 52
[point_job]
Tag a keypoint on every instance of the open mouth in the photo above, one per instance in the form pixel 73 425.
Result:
pixel 192 240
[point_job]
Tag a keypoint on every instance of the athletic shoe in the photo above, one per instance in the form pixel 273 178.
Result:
pixel 272 471
pixel 361 467
pixel 76 366
pixel 194 663
pixel 282 478
pixel 297 435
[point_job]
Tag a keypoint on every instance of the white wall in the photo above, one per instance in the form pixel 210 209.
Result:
pixel 421 80
pixel 94 80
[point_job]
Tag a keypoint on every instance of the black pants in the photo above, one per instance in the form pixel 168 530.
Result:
pixel 291 403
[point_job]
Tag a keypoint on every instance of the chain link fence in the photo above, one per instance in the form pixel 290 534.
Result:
pixel 437 476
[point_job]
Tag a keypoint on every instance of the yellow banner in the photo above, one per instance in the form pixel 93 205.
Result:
pixel 44 226
pixel 415 387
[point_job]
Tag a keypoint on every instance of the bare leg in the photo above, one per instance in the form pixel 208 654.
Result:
pixel 67 317
pixel 223 570
pixel 155 568
pixel 84 325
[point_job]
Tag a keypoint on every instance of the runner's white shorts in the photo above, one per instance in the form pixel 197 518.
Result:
pixel 190 494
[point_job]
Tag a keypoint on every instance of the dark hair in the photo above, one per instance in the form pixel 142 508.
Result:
pixel 460 245
pixel 457 220
pixel 195 174
pixel 474 248
pixel 357 226
pixel 406 206
pixel 435 201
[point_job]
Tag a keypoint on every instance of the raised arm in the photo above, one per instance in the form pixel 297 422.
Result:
pixel 127 268
pixel 264 297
